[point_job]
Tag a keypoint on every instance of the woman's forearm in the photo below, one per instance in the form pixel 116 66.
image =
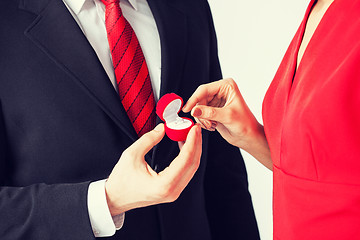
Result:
pixel 258 147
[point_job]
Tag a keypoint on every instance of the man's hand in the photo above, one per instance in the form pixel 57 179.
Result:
pixel 134 184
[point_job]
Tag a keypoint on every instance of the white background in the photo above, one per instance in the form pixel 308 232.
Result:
pixel 253 36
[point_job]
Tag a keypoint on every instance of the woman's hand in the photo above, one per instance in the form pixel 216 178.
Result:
pixel 220 105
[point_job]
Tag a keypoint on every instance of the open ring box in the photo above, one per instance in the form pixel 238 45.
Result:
pixel 168 108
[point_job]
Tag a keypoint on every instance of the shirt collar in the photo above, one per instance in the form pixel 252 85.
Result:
pixel 134 4
pixel 77 5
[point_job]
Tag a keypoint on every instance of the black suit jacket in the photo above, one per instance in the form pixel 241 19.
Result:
pixel 62 125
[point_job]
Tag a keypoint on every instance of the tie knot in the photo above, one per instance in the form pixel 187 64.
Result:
pixel 108 2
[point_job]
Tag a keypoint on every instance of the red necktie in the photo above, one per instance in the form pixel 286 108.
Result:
pixel 131 72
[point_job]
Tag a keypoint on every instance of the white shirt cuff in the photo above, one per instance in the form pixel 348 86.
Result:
pixel 102 223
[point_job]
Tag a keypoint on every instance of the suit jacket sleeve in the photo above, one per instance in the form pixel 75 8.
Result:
pixel 229 205
pixel 41 211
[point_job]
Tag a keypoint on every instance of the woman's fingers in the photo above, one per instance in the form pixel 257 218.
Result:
pixel 209 113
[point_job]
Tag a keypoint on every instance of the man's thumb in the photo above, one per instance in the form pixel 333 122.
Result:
pixel 149 140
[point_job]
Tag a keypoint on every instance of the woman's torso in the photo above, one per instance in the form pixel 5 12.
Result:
pixel 311 120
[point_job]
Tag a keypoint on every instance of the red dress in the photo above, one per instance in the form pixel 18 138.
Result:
pixel 312 123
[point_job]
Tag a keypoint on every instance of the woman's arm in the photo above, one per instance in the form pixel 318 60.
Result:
pixel 220 105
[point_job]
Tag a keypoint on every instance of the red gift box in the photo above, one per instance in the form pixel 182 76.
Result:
pixel 168 108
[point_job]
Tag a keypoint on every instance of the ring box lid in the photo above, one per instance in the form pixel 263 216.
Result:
pixel 168 107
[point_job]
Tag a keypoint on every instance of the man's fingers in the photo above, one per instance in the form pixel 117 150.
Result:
pixel 190 157
pixel 181 144
pixel 146 142
pixel 193 144
pixel 184 166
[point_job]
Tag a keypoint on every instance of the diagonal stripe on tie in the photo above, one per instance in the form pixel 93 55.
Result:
pixel 134 65
pixel 110 26
pixel 111 23
pixel 144 112
pixel 149 124
pixel 118 34
pixel 140 99
pixel 138 79
pixel 131 72
pixel 143 115
pixel 125 61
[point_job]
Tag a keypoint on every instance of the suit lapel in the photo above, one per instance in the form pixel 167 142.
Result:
pixel 172 26
pixel 58 35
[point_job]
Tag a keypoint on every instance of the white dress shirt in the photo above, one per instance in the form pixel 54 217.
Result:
pixel 90 16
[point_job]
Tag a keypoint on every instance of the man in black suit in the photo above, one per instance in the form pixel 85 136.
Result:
pixel 63 129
